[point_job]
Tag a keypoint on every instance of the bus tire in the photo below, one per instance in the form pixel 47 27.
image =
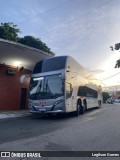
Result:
pixel 81 107
pixel 85 104
pixel 77 112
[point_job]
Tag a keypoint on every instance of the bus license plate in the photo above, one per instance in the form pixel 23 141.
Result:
pixel 42 109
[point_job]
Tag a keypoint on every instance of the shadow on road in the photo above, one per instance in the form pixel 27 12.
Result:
pixel 60 115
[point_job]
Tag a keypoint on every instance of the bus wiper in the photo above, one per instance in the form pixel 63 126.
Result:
pixel 46 85
pixel 39 87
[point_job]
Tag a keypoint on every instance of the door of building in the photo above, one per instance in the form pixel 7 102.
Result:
pixel 23 98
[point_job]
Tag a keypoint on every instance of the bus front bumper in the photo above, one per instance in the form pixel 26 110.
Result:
pixel 45 112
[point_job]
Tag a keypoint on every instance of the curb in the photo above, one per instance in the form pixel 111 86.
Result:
pixel 12 116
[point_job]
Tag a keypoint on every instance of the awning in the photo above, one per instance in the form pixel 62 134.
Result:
pixel 15 54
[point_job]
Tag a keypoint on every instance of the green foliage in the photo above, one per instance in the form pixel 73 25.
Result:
pixel 117 64
pixel 35 42
pixel 105 96
pixel 118 92
pixel 9 31
pixel 117 47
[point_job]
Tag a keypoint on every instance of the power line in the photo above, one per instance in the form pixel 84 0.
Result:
pixel 47 11
pixel 84 35
pixel 110 76
pixel 62 4
pixel 76 28
pixel 70 21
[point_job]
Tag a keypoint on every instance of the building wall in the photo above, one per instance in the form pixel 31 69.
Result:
pixel 10 88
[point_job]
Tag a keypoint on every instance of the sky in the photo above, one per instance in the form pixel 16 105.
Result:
pixel 83 29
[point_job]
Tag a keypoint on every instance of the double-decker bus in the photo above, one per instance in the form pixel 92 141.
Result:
pixel 62 85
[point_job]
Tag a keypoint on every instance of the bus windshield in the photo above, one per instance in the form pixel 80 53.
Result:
pixel 47 87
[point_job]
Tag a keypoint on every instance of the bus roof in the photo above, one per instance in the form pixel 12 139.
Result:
pixel 60 62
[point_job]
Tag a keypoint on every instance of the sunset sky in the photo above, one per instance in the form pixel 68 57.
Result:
pixel 83 29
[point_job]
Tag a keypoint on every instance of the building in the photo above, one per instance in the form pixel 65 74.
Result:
pixel 114 91
pixel 16 60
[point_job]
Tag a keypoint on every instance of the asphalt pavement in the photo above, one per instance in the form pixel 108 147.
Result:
pixel 96 130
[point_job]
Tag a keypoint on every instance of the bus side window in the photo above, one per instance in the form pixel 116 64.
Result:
pixel 69 90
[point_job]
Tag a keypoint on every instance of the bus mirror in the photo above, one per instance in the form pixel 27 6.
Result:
pixel 22 79
pixel 63 76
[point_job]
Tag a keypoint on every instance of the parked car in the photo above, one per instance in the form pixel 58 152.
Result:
pixel 117 100
pixel 109 100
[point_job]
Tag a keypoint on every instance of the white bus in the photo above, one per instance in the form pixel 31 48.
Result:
pixel 61 85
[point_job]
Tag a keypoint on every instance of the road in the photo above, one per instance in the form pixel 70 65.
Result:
pixel 96 130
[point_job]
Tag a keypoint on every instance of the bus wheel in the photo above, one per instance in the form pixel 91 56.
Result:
pixel 85 104
pixel 81 107
pixel 99 104
pixel 82 110
pixel 77 112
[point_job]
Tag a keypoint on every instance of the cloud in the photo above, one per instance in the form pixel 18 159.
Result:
pixel 82 29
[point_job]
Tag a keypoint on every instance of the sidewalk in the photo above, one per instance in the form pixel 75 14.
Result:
pixel 13 114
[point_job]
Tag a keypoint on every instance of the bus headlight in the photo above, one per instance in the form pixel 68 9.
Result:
pixel 58 102
pixel 30 103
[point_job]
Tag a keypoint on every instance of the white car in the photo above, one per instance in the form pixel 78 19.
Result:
pixel 117 100
pixel 109 100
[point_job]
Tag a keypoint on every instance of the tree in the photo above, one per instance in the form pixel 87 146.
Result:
pixel 105 96
pixel 117 63
pixel 117 47
pixel 9 31
pixel 35 42
pixel 118 94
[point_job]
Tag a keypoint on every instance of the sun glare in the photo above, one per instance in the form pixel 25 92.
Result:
pixel 111 75
pixel 17 63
